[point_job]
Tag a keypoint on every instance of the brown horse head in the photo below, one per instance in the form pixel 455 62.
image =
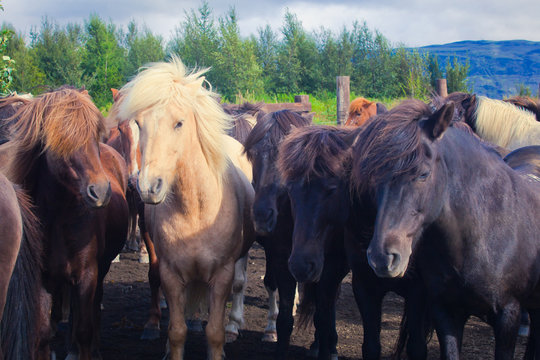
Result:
pixel 65 127
pixel 360 111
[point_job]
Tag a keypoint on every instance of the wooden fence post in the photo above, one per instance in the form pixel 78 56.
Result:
pixel 343 98
pixel 442 89
pixel 301 98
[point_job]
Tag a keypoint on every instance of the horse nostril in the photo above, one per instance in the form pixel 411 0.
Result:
pixel 91 191
pixel 394 260
pixel 156 189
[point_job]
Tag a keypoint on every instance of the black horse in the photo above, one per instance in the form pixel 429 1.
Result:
pixel 272 217
pixel 449 199
pixel 329 222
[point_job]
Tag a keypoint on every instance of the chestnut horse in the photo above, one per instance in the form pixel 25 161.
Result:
pixel 469 221
pixel 193 180
pixel 20 280
pixel 360 110
pixel 78 187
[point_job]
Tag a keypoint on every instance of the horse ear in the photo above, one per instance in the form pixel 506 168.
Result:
pixel 115 94
pixel 437 123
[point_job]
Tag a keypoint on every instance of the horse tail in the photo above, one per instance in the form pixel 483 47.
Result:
pixel 306 308
pixel 20 322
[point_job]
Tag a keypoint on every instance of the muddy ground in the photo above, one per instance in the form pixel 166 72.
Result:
pixel 127 298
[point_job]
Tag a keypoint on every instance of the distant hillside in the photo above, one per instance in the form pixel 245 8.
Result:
pixel 496 67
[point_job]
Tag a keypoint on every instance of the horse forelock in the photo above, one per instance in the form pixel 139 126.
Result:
pixel 502 123
pixel 159 85
pixel 60 121
pixel 389 146
pixel 271 128
pixel 315 152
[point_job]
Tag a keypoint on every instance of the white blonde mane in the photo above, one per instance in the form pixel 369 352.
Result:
pixel 505 124
pixel 159 84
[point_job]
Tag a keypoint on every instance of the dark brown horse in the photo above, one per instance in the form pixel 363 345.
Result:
pixel 78 186
pixel 332 225
pixel 468 219
pixel 272 217
pixel 20 269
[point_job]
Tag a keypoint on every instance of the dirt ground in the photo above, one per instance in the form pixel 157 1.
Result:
pixel 127 297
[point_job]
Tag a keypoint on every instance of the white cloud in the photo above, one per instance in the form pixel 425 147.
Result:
pixel 413 22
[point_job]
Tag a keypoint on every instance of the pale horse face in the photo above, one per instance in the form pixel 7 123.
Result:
pixel 164 135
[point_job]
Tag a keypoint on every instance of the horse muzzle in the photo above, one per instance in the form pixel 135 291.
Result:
pixel 98 195
pixel 152 192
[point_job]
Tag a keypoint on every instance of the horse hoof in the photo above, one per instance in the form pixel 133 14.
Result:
pixel 194 326
pixel 72 356
pixel 162 303
pixel 313 353
pixel 150 333
pixel 523 330
pixel 230 337
pixel 270 336
pixel 144 259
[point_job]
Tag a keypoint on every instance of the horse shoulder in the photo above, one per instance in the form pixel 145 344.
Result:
pixel 115 167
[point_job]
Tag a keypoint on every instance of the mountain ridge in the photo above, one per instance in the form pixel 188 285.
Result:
pixel 497 68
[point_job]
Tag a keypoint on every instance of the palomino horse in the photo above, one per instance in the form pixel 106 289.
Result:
pixel 78 187
pixel 333 226
pixel 466 217
pixel 360 110
pixel 510 124
pixel 272 216
pixel 198 199
pixel 20 269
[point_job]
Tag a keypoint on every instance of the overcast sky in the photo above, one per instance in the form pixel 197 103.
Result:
pixel 411 22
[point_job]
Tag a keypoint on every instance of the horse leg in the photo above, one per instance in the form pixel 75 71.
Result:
pixel 417 323
pixel 335 269
pixel 236 316
pixel 506 331
pixel 175 292
pixel 287 288
pixel 84 297
pixel 151 328
pixel 369 301
pixel 449 324
pixel 270 332
pixel 533 344
pixel 219 292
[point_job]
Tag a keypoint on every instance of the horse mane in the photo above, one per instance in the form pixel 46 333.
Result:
pixel 242 126
pixel 246 108
pixel 162 83
pixel 501 122
pixel 273 127
pixel 61 121
pixel 358 104
pixel 526 103
pixel 389 144
pixel 316 151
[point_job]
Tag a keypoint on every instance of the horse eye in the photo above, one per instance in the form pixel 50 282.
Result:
pixel 178 125
pixel 424 176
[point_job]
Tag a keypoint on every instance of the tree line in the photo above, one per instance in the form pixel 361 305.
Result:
pixel 101 55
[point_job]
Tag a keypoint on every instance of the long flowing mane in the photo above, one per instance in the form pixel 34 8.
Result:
pixel 389 144
pixel 526 103
pixel 316 151
pixel 159 84
pixel 61 122
pixel 273 127
pixel 503 123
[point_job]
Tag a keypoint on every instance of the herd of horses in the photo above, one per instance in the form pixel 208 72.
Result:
pixel 435 202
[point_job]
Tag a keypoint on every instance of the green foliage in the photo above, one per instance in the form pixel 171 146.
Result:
pixel 141 49
pixel 456 76
pixel 103 60
pixel 7 64
pixel 523 90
